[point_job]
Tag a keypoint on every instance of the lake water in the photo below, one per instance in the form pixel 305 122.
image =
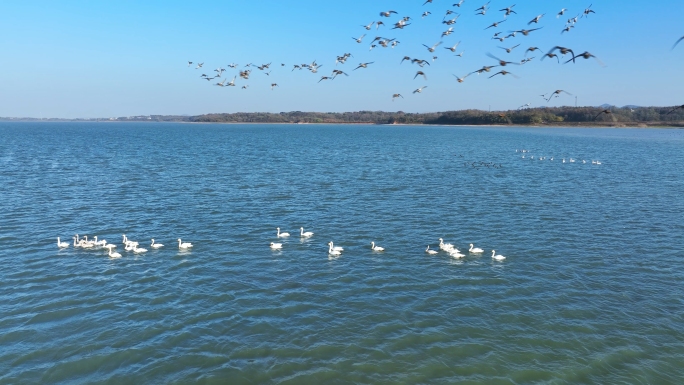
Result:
pixel 590 292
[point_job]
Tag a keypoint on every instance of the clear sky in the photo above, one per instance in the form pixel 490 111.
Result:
pixel 71 59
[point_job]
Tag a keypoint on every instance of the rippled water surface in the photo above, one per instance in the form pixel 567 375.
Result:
pixel 590 292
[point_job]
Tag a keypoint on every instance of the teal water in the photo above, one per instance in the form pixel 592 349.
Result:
pixel 591 290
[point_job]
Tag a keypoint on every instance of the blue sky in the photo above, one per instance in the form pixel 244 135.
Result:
pixel 120 58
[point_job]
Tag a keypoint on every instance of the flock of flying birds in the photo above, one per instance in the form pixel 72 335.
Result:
pixel 449 20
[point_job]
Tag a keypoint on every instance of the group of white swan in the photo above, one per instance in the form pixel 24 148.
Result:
pixel 128 245
pixel 570 160
pixel 455 253
pixel 337 250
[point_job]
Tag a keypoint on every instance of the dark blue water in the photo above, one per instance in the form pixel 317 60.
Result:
pixel 591 290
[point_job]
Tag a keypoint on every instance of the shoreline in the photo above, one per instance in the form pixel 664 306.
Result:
pixel 675 125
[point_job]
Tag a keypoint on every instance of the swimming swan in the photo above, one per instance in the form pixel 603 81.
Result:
pixel 114 254
pixel 62 245
pixel 497 257
pixel 137 249
pixel 447 246
pixel 128 242
pixel 156 245
pixel 456 254
pixel 475 250
pixel 338 248
pixel 185 245
pixel 281 235
pixel 431 252
pixel 331 251
pixel 376 248
pixel 305 234
pixel 276 246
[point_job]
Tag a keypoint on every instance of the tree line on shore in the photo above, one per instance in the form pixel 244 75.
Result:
pixel 528 116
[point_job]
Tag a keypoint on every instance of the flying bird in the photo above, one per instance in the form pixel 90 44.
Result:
pixel 396 96
pixel 557 92
pixel 603 112
pixel 677 42
pixel 531 49
pixel 501 62
pixel 419 90
pixel 420 73
pixel 503 72
pixel 536 19
pixel 358 40
pixel 509 10
pixel 585 55
pixel 587 11
pixel 526 32
pixel 453 49
pixel 363 65
pixel 432 49
pixel 564 51
pixel 461 79
pixel 676 108
pixel 561 13
pixel 273 85
pixel 387 14
pixel 495 24
pixel 508 50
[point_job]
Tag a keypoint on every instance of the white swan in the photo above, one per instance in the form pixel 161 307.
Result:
pixel 475 250
pixel 129 247
pixel 305 234
pixel 184 245
pixel 331 251
pixel 338 248
pixel 100 243
pixel 497 257
pixel 431 252
pixel 276 246
pixel 156 245
pixel 128 242
pixel 281 235
pixel 62 245
pixel 376 248
pixel 456 254
pixel 114 254
pixel 86 244
pixel 447 246
pixel 137 249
